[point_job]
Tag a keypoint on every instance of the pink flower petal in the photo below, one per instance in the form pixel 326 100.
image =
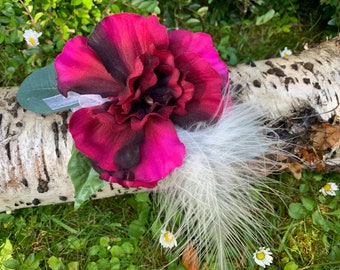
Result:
pixel 94 131
pixel 182 41
pixel 121 38
pixel 161 153
pixel 202 99
pixel 80 70
pixel 120 154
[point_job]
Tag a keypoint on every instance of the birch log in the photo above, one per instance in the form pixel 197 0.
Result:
pixel 35 149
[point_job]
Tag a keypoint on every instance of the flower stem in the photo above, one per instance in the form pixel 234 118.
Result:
pixel 29 14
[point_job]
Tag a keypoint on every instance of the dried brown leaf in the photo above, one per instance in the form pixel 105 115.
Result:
pixel 326 136
pixel 190 258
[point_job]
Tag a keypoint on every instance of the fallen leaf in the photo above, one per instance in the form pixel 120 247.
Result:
pixel 294 168
pixel 190 258
pixel 326 136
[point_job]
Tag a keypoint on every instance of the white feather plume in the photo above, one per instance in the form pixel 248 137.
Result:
pixel 213 201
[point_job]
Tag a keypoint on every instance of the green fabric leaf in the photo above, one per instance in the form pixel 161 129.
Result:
pixel 85 179
pixel 39 85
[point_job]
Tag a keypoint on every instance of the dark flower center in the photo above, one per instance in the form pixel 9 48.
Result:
pixel 157 96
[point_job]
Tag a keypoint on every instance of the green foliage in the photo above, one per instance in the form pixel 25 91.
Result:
pixel 247 30
pixel 85 179
pixel 37 86
pixel 100 235
pixel 332 7
pixel 311 234
pixel 58 20
pixel 242 30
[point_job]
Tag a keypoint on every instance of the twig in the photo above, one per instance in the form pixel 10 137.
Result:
pixel 29 14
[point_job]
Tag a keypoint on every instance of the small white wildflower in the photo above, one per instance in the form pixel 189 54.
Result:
pixel 329 189
pixel 286 52
pixel 167 239
pixel 31 37
pixel 263 257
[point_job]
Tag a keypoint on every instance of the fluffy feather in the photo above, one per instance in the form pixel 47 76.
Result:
pixel 214 200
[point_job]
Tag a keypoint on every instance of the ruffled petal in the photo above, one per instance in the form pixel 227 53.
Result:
pixel 80 70
pixel 97 135
pixel 202 99
pixel 133 158
pixel 161 153
pixel 183 41
pixel 119 39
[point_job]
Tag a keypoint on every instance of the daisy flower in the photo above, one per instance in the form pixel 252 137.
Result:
pixel 329 189
pixel 167 239
pixel 31 37
pixel 286 52
pixel 263 257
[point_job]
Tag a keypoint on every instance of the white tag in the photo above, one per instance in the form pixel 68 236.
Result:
pixel 59 101
pixel 74 99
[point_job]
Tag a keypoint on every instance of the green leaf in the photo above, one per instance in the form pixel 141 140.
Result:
pixel 88 4
pixel 73 266
pixel 54 263
pixel 104 241
pixel 297 211
pixel 136 229
pixel 127 248
pixel 76 2
pixel 92 266
pixel 309 204
pixel 85 179
pixel 202 11
pixel 291 266
pixel 266 17
pixel 117 251
pixel 38 16
pixel 334 213
pixel 319 220
pixel 94 250
pixel 11 264
pixel 75 243
pixel 334 254
pixel 193 21
pixel 6 250
pixel 303 188
pixel 143 197
pixel 4 218
pixel 37 86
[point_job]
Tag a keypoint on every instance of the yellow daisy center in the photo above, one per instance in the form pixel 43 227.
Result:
pixel 260 255
pixel 327 187
pixel 32 40
pixel 168 237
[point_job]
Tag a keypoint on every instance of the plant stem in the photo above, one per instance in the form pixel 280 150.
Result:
pixel 29 14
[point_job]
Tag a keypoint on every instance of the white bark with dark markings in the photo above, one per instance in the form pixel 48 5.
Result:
pixel 282 86
pixel 35 149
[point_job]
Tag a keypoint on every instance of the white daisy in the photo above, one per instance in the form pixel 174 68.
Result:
pixel 286 52
pixel 31 37
pixel 329 189
pixel 263 257
pixel 167 239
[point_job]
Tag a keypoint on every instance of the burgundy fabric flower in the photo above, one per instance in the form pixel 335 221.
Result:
pixel 153 81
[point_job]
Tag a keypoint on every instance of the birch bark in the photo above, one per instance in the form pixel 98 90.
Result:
pixel 35 149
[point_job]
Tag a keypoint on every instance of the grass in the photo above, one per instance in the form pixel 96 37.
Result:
pixel 99 232
pixel 117 233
